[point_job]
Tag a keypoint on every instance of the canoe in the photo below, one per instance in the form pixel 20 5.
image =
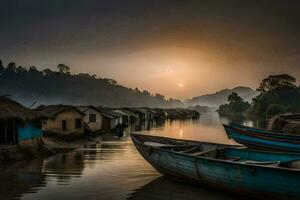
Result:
pixel 266 140
pixel 253 129
pixel 234 168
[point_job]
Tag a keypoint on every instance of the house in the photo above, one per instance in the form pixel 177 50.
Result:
pixel 128 117
pixel 141 115
pixel 18 124
pixel 110 119
pixel 92 119
pixel 125 116
pixel 148 115
pixel 159 115
pixel 64 120
pixel 134 116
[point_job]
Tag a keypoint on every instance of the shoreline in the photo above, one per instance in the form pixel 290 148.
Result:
pixel 50 146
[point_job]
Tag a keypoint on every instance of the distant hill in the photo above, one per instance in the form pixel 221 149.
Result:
pixel 220 97
pixel 29 85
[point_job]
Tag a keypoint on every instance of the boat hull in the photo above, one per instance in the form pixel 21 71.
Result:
pixel 242 179
pixel 264 140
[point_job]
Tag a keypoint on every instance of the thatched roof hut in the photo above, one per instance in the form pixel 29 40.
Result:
pixel 52 111
pixel 10 109
pixel 288 123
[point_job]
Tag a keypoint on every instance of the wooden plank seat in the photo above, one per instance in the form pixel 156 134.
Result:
pixel 270 163
pixel 233 158
pixel 170 146
pixel 193 148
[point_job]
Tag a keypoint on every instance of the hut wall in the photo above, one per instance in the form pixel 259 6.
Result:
pixel 114 122
pixel 106 123
pixel 70 117
pixel 29 132
pixel 93 126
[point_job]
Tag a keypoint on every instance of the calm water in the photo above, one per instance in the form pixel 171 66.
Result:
pixel 111 170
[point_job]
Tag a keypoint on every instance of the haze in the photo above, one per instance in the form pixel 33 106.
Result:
pixel 178 48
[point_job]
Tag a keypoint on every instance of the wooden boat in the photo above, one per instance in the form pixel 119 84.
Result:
pixel 266 140
pixel 267 174
pixel 253 129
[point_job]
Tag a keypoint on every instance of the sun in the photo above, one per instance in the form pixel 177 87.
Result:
pixel 180 85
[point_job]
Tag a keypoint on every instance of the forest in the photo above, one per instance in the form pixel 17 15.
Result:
pixel 34 87
pixel 278 94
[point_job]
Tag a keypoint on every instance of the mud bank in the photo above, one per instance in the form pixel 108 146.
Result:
pixel 48 147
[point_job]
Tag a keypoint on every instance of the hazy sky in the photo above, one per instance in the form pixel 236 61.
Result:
pixel 180 48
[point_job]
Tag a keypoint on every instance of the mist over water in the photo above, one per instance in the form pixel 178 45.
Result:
pixel 112 169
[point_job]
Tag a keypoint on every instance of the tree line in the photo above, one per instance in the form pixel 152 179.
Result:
pixel 29 85
pixel 278 94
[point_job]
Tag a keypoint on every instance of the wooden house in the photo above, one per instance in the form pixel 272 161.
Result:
pixel 62 119
pixel 147 114
pixel 141 115
pixel 134 116
pixel 125 116
pixel 92 119
pixel 128 117
pixel 159 115
pixel 18 124
pixel 110 119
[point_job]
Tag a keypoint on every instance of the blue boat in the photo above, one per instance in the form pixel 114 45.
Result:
pixel 253 129
pixel 263 139
pixel 234 168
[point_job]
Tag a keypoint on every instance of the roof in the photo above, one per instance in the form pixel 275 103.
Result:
pixel 128 112
pixel 85 108
pixel 136 110
pixel 110 114
pixel 52 111
pixel 10 109
pixel 121 112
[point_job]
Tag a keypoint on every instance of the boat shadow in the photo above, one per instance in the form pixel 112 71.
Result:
pixel 165 188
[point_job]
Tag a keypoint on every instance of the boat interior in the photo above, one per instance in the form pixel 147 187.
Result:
pixel 238 154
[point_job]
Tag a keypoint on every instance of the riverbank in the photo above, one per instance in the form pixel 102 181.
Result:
pixel 49 146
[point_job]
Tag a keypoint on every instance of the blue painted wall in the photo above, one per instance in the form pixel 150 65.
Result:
pixel 29 131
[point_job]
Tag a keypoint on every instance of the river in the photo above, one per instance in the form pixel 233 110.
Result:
pixel 112 169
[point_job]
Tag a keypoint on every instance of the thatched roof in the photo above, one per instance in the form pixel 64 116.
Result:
pixel 288 123
pixel 10 109
pixel 52 111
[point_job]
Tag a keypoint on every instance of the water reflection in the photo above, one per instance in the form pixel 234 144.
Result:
pixel 62 168
pixel 208 128
pixel 163 188
pixel 112 169
pixel 20 178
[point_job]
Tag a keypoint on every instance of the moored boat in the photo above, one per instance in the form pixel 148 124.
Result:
pixel 263 139
pixel 229 167
pixel 253 129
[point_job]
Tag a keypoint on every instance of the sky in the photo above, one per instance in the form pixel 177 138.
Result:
pixel 179 48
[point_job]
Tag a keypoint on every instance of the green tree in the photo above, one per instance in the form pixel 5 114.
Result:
pixel 236 106
pixel 278 93
pixel 275 109
pixel 63 69
pixel 33 69
pixel 277 81
pixel 47 72
pixel 234 97
pixel 159 96
pixel 20 69
pixel 146 93
pixel 11 67
pixel 110 81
